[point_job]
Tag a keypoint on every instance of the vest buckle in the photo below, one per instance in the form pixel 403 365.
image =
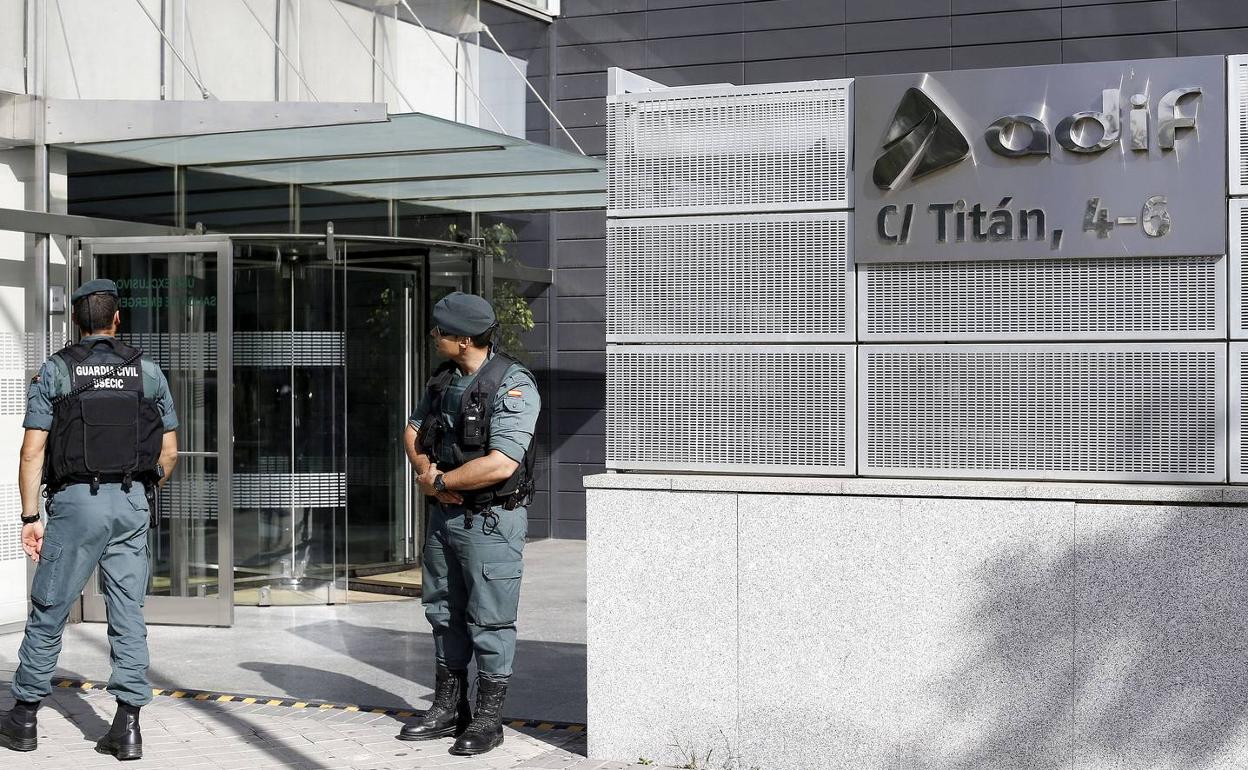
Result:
pixel 125 482
pixel 95 484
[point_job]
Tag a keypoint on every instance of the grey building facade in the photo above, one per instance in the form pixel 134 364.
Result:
pixel 692 42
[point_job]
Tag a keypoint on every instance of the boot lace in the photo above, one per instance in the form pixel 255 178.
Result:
pixel 444 695
pixel 487 716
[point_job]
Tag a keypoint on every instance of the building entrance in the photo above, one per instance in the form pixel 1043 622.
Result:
pixel 294 362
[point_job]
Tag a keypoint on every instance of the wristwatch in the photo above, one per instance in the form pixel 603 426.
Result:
pixel 31 519
pixel 439 483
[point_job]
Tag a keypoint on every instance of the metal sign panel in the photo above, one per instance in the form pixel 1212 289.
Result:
pixel 1076 160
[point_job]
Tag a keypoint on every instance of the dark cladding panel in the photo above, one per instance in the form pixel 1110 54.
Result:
pixel 597 58
pixel 683 22
pixel 1091 49
pixel 581 113
pixel 897 35
pixel 617 28
pixel 794 43
pixel 1212 14
pixel 696 75
pixel 884 10
pixel 590 252
pixel 788 70
pixel 1007 55
pixel 1122 19
pixel 706 49
pixel 990 6
pixel 792 14
pixel 886 63
pixel 1007 27
pixel 581 309
pixel 1213 41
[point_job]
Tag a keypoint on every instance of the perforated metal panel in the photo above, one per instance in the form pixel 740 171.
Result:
pixel 10 523
pixel 280 349
pixel 286 490
pixel 772 409
pixel 1059 299
pixel 1237 242
pixel 719 149
pixel 1237 117
pixel 1136 412
pixel 768 277
pixel 1239 400
pixel 178 351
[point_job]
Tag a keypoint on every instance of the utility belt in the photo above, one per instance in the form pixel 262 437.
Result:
pixel 481 502
pixel 478 500
pixel 150 481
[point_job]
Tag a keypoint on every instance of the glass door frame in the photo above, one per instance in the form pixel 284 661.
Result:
pixel 215 610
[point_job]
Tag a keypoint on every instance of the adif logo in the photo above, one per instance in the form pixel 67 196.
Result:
pixel 921 139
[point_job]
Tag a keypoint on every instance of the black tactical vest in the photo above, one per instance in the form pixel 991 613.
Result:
pixel 469 439
pixel 104 429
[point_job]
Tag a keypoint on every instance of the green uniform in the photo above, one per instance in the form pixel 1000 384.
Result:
pixel 471 577
pixel 83 530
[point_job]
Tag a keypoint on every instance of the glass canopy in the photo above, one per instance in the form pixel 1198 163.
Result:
pixel 412 158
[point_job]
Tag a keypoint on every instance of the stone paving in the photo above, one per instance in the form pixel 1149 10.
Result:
pixel 212 735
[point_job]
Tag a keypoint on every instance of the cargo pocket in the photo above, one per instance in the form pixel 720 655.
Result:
pixel 496 598
pixel 43 589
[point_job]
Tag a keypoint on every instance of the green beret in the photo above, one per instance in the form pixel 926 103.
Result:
pixel 98 286
pixel 463 315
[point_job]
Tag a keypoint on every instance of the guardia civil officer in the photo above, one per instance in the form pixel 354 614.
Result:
pixel 470 441
pixel 100 432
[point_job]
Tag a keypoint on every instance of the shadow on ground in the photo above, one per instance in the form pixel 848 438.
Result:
pixel 1129 650
pixel 548 683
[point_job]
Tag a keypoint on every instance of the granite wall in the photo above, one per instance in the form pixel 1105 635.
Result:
pixel 788 631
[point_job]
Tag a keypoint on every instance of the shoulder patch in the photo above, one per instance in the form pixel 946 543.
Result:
pixel 514 393
pixel 34 380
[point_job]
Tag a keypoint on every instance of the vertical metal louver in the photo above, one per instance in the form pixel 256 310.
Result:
pixel 1237 117
pixel 1129 412
pixel 773 410
pixel 1237 242
pixel 721 149
pixel 747 278
pixel 1239 398
pixel 1121 298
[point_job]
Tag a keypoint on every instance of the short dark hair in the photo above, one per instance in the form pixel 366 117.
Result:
pixel 483 339
pixel 95 311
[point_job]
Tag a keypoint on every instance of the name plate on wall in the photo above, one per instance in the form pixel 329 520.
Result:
pixel 1073 160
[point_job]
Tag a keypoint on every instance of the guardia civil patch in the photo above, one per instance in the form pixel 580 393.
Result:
pixel 515 393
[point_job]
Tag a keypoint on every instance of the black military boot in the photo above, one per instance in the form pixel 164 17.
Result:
pixel 486 730
pixel 18 729
pixel 123 740
pixel 449 714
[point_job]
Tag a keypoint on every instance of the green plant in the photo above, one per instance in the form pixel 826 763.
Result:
pixel 515 317
pixel 694 758
pixel 644 761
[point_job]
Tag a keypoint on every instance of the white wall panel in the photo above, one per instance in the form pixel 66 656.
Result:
pixel 334 63
pixel 228 48
pixel 421 73
pixel 12 40
pixel 102 49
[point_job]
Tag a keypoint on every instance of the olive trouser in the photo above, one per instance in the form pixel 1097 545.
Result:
pixel 108 528
pixel 471 586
